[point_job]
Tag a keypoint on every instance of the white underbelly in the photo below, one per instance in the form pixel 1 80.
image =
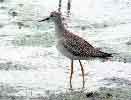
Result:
pixel 64 51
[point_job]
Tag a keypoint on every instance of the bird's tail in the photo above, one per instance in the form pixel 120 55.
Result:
pixel 103 54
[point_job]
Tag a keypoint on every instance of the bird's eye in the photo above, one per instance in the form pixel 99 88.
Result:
pixel 51 16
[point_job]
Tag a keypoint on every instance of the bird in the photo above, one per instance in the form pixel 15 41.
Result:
pixel 73 46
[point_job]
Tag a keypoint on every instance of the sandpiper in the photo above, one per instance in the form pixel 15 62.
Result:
pixel 73 46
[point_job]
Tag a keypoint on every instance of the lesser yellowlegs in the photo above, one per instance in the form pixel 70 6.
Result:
pixel 73 46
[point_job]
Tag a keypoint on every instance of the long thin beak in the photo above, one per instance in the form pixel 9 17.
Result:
pixel 44 19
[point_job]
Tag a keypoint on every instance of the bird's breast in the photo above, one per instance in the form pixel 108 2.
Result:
pixel 63 50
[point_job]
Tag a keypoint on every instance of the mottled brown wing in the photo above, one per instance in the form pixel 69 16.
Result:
pixel 78 46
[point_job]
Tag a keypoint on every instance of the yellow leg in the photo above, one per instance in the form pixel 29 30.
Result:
pixel 82 70
pixel 71 73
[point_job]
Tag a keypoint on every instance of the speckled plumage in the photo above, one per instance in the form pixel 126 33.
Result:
pixel 71 45
pixel 81 49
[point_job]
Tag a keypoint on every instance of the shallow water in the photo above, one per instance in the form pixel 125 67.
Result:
pixel 31 66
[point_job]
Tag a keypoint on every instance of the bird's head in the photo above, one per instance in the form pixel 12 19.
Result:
pixel 53 16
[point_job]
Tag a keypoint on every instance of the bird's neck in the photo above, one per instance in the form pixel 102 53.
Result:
pixel 59 28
